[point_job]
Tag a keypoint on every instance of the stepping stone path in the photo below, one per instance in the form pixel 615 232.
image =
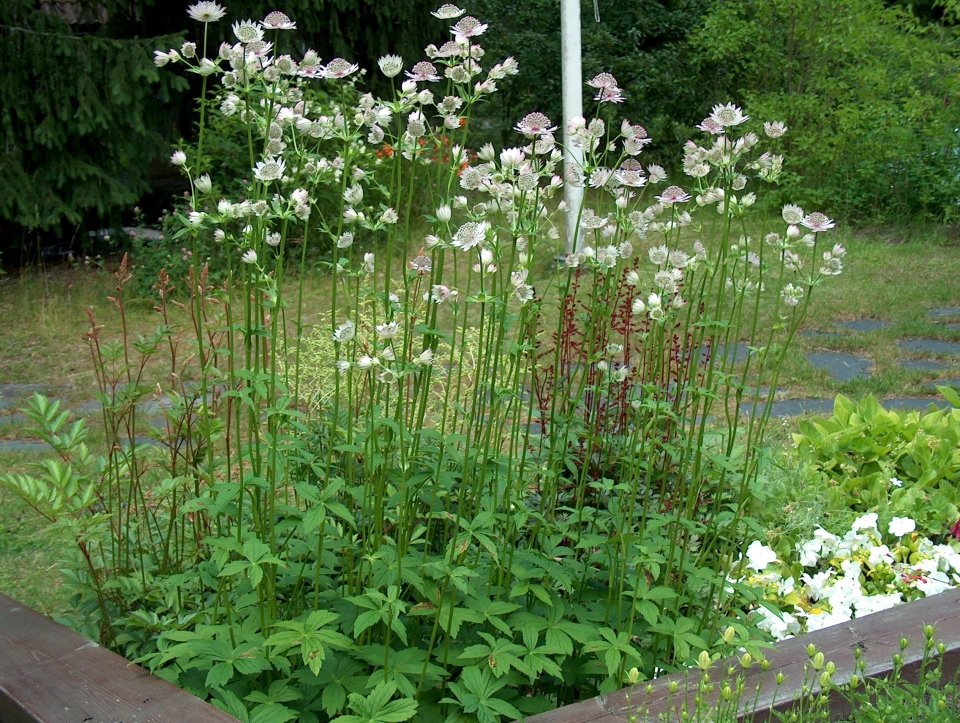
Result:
pixel 930 346
pixel 863 325
pixel 944 312
pixel 842 367
pixel 922 366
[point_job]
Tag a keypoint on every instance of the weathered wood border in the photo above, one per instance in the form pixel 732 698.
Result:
pixel 50 674
pixel 877 636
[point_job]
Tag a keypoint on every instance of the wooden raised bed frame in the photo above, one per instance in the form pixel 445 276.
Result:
pixel 51 674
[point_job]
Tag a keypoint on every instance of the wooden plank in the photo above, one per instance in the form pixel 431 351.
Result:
pixel 877 636
pixel 50 674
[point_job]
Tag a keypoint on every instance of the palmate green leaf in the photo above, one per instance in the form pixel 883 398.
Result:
pixel 272 713
pixel 614 646
pixel 500 655
pixel 491 610
pixel 229 703
pixel 339 675
pixel 311 636
pixel 378 708
pixel 404 667
pixel 475 692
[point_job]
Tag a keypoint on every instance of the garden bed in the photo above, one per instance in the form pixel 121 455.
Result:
pixel 48 672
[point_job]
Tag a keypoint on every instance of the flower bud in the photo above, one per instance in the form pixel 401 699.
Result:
pixel 204 184
pixel 703 660
pixel 672 687
pixel 811 650
pixel 746 661
pixel 633 676
pixel 824 679
pixel 444 214
pixel 780 678
pixel 818 661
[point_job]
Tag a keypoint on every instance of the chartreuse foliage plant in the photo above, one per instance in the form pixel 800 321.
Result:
pixel 468 489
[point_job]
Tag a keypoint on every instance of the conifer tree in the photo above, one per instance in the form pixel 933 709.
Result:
pixel 83 110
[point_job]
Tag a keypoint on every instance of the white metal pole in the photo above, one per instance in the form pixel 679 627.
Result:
pixel 572 80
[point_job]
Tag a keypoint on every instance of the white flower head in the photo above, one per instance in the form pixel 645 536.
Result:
pixel 179 158
pixel 345 332
pixel 249 256
pixel 775 129
pixel 390 65
pixel 447 12
pixel 277 20
pixel 206 12
pixel 388 331
pixel 759 556
pixel 269 170
pixel 792 214
pixel 866 522
pixel 900 526
pixel 248 32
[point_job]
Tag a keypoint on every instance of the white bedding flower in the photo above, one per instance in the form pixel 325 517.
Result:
pixel 900 526
pixel 867 522
pixel 759 556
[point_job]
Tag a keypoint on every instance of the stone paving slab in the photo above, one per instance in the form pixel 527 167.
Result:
pixel 923 366
pixel 17 391
pixel 952 326
pixel 795 407
pixel 740 353
pixel 14 420
pixel 913 404
pixel 944 312
pixel 12 446
pixel 863 325
pixel 930 346
pixel 954 383
pixel 842 367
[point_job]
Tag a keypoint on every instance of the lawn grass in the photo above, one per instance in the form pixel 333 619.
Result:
pixel 30 553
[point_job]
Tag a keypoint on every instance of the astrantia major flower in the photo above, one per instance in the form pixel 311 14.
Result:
pixel 278 21
pixel 178 158
pixel 447 12
pixel 728 115
pixel 710 126
pixel 339 68
pixel 388 331
pixel 206 12
pixel 248 31
pixel 345 332
pixel 535 124
pixel 269 170
pixel 468 27
pixel 792 214
pixel 672 195
pixel 249 256
pixel 817 222
pixel 775 129
pixel 470 235
pixel 423 71
pixel 603 80
pixel 390 65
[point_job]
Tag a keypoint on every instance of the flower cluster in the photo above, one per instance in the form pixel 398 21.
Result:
pixel 845 577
